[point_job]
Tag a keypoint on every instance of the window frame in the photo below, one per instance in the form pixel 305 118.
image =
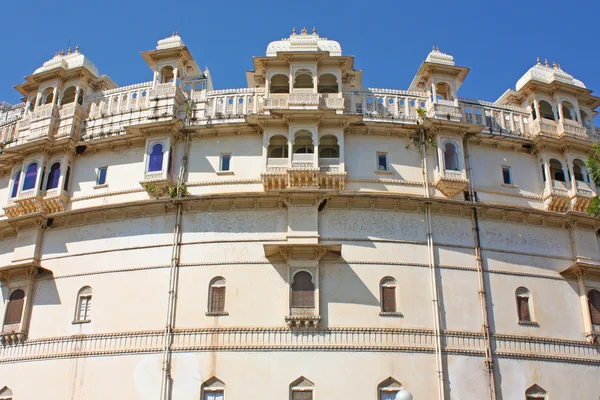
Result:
pixel 523 292
pixel 98 175
pixel 217 285
pixel 378 159
pixel 16 183
pixel 85 293
pixel 296 302
pixel 457 153
pixel 388 283
pixel 510 178
pixel 221 159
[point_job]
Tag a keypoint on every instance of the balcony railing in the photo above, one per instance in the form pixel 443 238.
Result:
pixel 571 128
pixel 303 160
pixel 329 164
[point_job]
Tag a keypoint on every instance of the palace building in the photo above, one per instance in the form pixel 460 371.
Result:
pixel 304 238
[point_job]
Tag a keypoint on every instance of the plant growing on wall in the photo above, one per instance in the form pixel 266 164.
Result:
pixel 177 191
pixel 428 137
pixel 593 164
pixel 152 190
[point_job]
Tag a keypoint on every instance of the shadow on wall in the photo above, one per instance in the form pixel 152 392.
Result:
pixel 46 292
pixel 341 285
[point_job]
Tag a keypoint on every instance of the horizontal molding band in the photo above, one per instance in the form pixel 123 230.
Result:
pixel 285 340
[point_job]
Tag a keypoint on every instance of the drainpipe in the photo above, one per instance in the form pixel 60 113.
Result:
pixel 489 356
pixel 435 305
pixel 167 381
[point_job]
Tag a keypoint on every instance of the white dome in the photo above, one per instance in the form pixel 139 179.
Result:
pixel 547 74
pixel 304 42
pixel 68 61
pixel 404 395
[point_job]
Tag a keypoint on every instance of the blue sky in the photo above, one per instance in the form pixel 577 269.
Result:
pixel 498 40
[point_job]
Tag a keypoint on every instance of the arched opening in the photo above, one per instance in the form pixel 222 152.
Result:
pixel 327 84
pixel 6 393
pixel 594 305
pixel 328 147
pixel 546 110
pixel 303 143
pixel 303 79
pixel 213 389
pixel 585 119
pixel 14 309
pixel 388 389
pixel 167 74
pixel 53 176
pixel 84 304
pixel 533 113
pixel 280 84
pixel 443 91
pixel 278 147
pixel 156 158
pixel 30 176
pixel 47 96
pixel 216 301
pixel 303 290
pixel 556 170
pixel 388 295
pixel 535 392
pixel 580 171
pixel 523 305
pixel 568 111
pixel 68 95
pixel 80 97
pixel 16 182
pixel 451 160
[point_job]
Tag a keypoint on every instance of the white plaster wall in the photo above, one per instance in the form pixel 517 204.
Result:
pixel 459 300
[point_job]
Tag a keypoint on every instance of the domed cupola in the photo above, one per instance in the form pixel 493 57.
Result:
pixel 304 42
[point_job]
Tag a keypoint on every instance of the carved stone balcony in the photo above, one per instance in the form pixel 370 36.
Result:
pixel 304 317
pixel 450 183
pixel 42 122
pixel 12 334
pixel 302 174
pixel 156 183
pixel 445 109
pixel 557 198
pixel 70 117
pixel 27 202
pixel 55 200
pixel 581 196
pixel 304 101
pixel 544 126
pixel 571 128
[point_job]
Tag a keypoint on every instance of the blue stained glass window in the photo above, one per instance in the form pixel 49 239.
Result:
pixel 53 176
pixel 101 176
pixel 225 161
pixel 30 176
pixel 156 158
pixel 16 182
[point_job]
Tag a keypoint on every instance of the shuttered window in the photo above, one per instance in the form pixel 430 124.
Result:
pixel 216 301
pixel 302 395
pixel 85 303
pixel 217 395
pixel 14 310
pixel 388 299
pixel 594 303
pixel 303 290
pixel 523 309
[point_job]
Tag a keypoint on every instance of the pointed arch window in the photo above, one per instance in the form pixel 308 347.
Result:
pixel 14 309
pixel 451 161
pixel 303 290
pixel 524 305
pixel 216 296
pixel 53 176
pixel 388 295
pixel 535 392
pixel 16 182
pixel 30 176
pixel 84 305
pixel 388 389
pixel 213 389
pixel 594 305
pixel 302 389
pixel 556 170
pixel 155 163
pixel 6 393
pixel 546 110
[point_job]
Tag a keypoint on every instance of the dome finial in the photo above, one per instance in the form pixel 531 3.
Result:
pixel 304 31
pixel 546 62
pixel 294 31
pixel 554 64
pixel 538 61
pixel 77 49
pixel 314 30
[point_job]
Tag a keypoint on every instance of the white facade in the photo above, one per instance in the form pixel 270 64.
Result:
pixel 302 238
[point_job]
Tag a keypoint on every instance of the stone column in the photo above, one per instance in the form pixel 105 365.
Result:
pixel 434 91
pixel 536 106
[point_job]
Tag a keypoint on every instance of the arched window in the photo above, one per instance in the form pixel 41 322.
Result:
pixel 451 161
pixel 388 389
pixel 14 309
pixel 546 110
pixel 388 295
pixel 580 171
pixel 523 305
pixel 30 176
pixel 303 290
pixel 594 304
pixel 213 389
pixel 303 143
pixel 443 91
pixel 216 301
pixel 68 95
pixel 156 158
pixel 585 119
pixel 53 176
pixel 6 393
pixel 568 111
pixel 16 182
pixel 47 96
pixel 302 389
pixel 328 147
pixel 167 75
pixel 80 98
pixel 535 393
pixel 280 84
pixel 327 84
pixel 67 176
pixel 303 79
pixel 84 305
pixel 278 147
pixel 556 170
pixel 533 113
